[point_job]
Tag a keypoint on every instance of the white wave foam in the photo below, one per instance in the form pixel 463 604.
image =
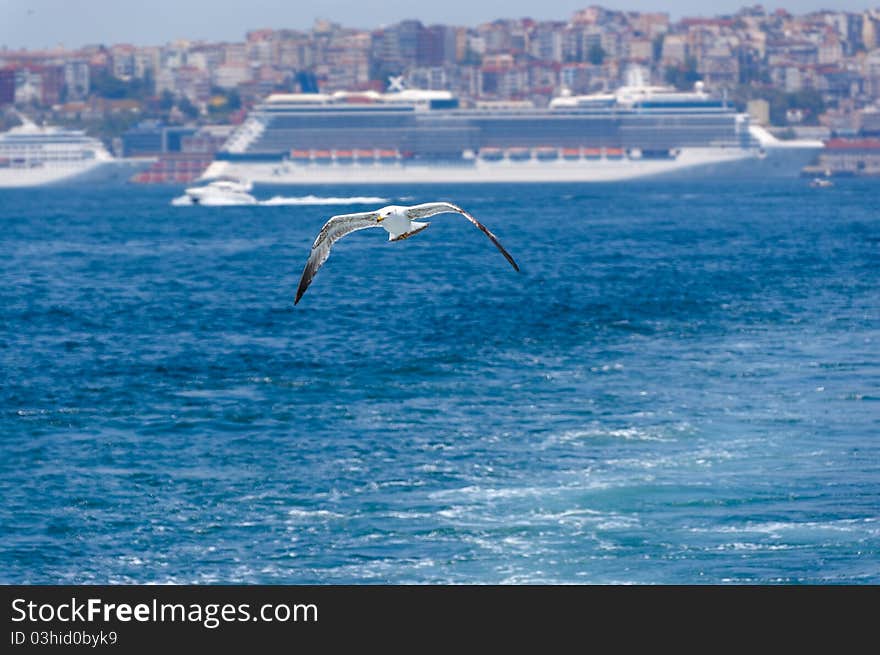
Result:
pixel 587 434
pixel 487 493
pixel 776 528
pixel 750 546
pixel 313 514
pixel 318 200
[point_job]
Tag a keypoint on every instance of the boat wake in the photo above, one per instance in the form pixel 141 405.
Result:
pixel 280 201
pixel 317 200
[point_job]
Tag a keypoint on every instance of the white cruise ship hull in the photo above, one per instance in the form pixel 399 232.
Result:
pixel 781 159
pixel 112 171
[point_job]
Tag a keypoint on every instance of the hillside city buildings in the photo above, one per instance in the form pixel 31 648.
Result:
pixel 817 73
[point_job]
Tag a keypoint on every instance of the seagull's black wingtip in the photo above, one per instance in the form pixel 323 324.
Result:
pixel 508 257
pixel 301 289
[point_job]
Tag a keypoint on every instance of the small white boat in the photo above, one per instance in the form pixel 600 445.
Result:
pixel 218 193
pixel 821 183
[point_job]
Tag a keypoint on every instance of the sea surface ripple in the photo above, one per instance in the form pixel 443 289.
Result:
pixel 682 386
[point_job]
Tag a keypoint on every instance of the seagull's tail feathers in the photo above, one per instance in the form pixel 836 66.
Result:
pixel 417 227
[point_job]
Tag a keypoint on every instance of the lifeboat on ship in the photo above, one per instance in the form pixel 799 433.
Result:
pixel 322 156
pixel 388 156
pixel 344 156
pixel 614 153
pixel 546 153
pixel 365 156
pixel 593 153
pixel 519 154
pixel 491 154
pixel 300 156
pixel 571 154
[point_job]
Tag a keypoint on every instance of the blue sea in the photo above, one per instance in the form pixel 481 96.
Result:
pixel 681 386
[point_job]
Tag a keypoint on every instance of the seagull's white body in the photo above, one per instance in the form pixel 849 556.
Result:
pixel 398 221
pixel 395 221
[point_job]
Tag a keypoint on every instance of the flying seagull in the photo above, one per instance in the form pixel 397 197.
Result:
pixel 398 221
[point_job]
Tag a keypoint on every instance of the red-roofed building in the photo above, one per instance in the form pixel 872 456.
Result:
pixel 853 144
pixel 38 84
pixel 718 22
pixel 851 157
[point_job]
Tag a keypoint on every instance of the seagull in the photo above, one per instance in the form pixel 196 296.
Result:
pixel 398 221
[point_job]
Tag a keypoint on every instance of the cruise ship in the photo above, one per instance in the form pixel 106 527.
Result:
pixel 33 155
pixel 417 136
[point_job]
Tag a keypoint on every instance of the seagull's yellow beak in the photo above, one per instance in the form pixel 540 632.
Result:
pixel 379 219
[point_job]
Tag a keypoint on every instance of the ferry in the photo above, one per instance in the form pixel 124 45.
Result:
pixel 638 132
pixel 33 155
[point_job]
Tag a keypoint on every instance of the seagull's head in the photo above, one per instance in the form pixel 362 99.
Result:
pixel 385 212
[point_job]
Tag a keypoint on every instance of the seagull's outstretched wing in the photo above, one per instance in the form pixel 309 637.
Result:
pixel 432 208
pixel 333 230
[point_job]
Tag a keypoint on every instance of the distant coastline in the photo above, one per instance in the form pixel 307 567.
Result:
pixel 814 75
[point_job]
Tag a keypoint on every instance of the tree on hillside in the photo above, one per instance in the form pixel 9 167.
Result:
pixel 683 77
